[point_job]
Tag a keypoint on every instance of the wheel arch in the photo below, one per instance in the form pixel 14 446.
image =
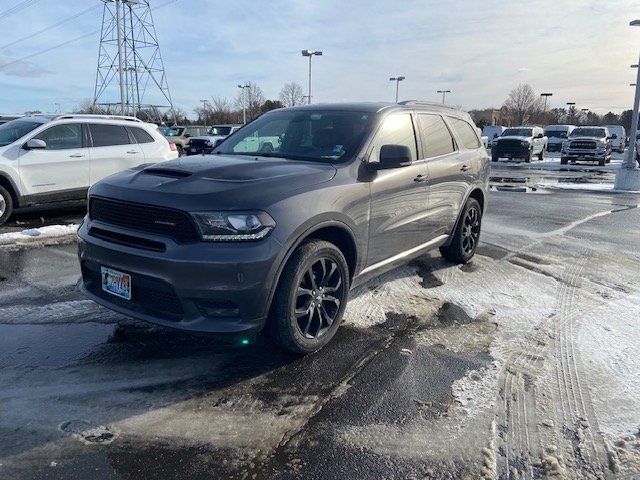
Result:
pixel 477 194
pixel 7 183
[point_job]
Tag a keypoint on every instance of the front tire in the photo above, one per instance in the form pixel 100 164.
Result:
pixel 564 161
pixel 466 235
pixel 6 205
pixel 541 155
pixel 311 297
pixel 494 156
pixel 180 150
pixel 527 159
pixel 602 162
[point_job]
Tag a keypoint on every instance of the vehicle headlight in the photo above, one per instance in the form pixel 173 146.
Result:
pixel 233 226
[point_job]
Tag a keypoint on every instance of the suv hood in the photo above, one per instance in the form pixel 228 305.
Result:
pixel 214 181
pixel 514 137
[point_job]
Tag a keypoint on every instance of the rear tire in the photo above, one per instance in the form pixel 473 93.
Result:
pixel 466 236
pixel 180 150
pixel 541 155
pixel 311 297
pixel 6 205
pixel 563 161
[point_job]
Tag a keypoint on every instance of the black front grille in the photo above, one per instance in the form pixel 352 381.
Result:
pixel 145 218
pixel 583 145
pixel 511 146
pixel 149 295
pixel 197 142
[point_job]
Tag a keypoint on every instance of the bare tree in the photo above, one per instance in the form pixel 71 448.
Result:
pixel 291 94
pixel 522 104
pixel 253 100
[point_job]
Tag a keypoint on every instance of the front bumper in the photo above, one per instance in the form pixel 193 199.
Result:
pixel 198 150
pixel 203 287
pixel 587 156
pixel 510 151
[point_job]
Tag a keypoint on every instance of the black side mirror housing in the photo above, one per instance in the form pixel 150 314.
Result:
pixel 540 135
pixel 394 156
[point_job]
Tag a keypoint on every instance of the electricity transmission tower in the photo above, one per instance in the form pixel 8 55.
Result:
pixel 129 60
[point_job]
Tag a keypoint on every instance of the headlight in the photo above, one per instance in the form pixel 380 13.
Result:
pixel 234 226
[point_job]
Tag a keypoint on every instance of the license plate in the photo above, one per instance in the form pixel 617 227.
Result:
pixel 193 150
pixel 116 283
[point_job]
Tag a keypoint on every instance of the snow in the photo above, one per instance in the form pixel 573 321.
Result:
pixel 40 236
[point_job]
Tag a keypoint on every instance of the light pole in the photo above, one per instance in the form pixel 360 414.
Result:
pixel 244 110
pixel 397 79
pixel 443 92
pixel 204 110
pixel 310 54
pixel 546 97
pixel 628 177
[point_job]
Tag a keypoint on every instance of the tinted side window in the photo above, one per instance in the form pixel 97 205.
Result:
pixel 106 135
pixel 193 131
pixel 396 130
pixel 61 137
pixel 436 138
pixel 141 136
pixel 466 133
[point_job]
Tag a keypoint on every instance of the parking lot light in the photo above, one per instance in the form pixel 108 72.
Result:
pixel 310 54
pixel 397 79
pixel 443 92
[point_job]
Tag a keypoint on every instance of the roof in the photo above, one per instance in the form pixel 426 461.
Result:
pixel 375 107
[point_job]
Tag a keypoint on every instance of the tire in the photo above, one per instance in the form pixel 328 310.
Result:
pixel 312 327
pixel 541 155
pixel 180 150
pixel 563 161
pixel 467 230
pixel 6 205
pixel 527 159
pixel 602 162
pixel 494 156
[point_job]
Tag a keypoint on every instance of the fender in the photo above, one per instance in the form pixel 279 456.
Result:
pixel 18 197
pixel 301 237
pixel 466 198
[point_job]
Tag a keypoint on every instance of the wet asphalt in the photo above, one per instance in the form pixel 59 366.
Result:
pixel 88 393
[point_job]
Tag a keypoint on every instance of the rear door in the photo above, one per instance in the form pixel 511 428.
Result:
pixel 398 219
pixel 112 150
pixel 61 168
pixel 448 166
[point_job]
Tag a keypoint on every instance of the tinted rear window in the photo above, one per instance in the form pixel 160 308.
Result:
pixel 107 135
pixel 436 138
pixel 141 136
pixel 466 133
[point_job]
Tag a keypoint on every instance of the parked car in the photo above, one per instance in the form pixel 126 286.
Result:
pixel 52 159
pixel 276 236
pixel 483 138
pixel 492 132
pixel 556 135
pixel 206 143
pixel 520 142
pixel 180 135
pixel 591 144
pixel 618 137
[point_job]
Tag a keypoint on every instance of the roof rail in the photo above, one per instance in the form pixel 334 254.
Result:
pixel 427 103
pixel 98 116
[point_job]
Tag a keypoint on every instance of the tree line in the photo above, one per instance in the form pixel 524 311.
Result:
pixel 524 106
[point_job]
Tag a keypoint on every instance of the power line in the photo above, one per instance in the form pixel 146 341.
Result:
pixel 57 24
pixel 27 57
pixel 17 7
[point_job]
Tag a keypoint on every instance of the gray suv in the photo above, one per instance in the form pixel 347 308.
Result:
pixel 274 228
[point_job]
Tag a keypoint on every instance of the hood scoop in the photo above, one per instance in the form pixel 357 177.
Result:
pixel 167 172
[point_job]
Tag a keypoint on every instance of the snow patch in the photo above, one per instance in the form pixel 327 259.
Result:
pixel 42 235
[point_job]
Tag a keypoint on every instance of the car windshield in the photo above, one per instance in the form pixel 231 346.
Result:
pixel 173 131
pixel 588 132
pixel 223 131
pixel 15 129
pixel 517 132
pixel 556 133
pixel 312 135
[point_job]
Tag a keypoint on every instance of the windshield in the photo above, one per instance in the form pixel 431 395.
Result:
pixel 173 131
pixel 588 132
pixel 321 136
pixel 556 133
pixel 15 129
pixel 222 131
pixel 517 132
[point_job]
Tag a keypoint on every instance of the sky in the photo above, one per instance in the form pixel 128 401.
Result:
pixel 580 50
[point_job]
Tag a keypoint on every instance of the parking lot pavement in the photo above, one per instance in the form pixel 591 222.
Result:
pixel 520 364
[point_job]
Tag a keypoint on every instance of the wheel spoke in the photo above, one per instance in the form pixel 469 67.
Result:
pixel 327 279
pixel 332 299
pixel 312 278
pixel 334 288
pixel 303 291
pixel 327 318
pixel 309 320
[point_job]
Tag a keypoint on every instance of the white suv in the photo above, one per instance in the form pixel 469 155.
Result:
pixel 51 159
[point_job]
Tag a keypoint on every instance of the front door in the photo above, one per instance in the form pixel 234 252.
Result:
pixel 398 196
pixel 62 168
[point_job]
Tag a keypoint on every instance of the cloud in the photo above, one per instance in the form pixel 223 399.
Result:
pixel 20 68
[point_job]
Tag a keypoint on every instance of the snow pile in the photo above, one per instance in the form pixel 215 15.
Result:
pixel 43 235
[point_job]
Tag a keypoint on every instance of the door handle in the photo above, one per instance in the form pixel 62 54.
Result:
pixel 420 178
pixel 464 168
pixel 76 155
pixel 133 151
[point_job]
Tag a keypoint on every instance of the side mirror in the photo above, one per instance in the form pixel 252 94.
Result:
pixel 540 135
pixel 614 136
pixel 35 144
pixel 394 156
